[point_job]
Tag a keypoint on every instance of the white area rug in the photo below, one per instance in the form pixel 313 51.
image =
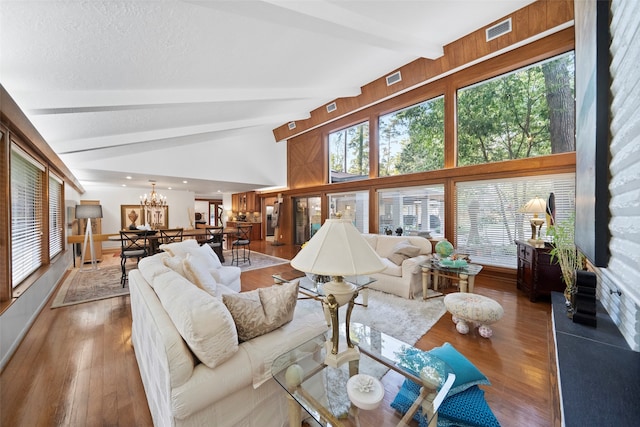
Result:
pixel 403 319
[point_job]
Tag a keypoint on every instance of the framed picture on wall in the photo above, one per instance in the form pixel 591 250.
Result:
pixel 131 216
pixel 157 218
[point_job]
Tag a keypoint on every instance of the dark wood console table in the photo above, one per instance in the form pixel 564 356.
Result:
pixel 537 275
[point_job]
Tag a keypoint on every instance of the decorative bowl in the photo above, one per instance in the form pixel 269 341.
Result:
pixel 365 391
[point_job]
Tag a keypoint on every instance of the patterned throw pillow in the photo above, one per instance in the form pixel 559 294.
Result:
pixel 262 310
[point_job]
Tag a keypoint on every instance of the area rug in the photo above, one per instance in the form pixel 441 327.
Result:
pixel 258 260
pixel 90 285
pixel 403 319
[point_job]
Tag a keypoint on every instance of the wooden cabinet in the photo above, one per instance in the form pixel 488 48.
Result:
pixel 245 202
pixel 537 275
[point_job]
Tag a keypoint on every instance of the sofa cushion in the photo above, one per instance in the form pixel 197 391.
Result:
pixel 174 263
pixel 199 275
pixel 391 269
pixel 202 320
pixel 262 310
pixel 180 248
pixel 227 274
pixel 402 251
pixel 386 245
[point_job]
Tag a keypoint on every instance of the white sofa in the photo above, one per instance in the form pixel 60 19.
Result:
pixel 403 275
pixel 194 371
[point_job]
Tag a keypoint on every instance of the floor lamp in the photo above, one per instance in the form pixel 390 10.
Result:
pixel 88 212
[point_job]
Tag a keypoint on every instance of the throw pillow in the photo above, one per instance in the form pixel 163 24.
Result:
pixel 262 310
pixel 205 255
pixel 174 263
pixel 197 274
pixel 466 409
pixel 402 251
pixel 179 248
pixel 203 321
pixel 467 375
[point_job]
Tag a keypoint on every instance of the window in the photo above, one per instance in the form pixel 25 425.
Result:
pixel 26 215
pixel 526 113
pixel 349 154
pixel 412 140
pixel 353 206
pixel 417 210
pixel 55 215
pixel 487 217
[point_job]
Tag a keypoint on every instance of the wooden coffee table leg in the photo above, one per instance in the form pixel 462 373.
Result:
pixel 463 282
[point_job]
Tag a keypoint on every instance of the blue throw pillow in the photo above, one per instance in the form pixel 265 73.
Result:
pixel 467 375
pixel 465 409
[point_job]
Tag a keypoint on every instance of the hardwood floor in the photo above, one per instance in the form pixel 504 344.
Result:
pixel 76 366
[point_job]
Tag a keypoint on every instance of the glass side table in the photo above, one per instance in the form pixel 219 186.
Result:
pixel 321 390
pixel 433 271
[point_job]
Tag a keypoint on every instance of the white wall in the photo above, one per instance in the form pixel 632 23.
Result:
pixel 111 198
pixel 622 274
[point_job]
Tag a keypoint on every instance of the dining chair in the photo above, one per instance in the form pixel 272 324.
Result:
pixel 169 235
pixel 214 236
pixel 134 244
pixel 242 241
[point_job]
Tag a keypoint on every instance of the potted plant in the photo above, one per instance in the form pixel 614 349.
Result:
pixel 565 253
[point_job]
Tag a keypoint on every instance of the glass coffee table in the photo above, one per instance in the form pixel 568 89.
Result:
pixel 433 270
pixel 322 391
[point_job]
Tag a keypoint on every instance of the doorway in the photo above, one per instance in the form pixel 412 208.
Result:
pixel 307 218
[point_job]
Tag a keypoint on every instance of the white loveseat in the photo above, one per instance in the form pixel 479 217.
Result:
pixel 194 371
pixel 402 255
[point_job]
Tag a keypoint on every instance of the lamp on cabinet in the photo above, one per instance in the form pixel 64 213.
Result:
pixel 535 206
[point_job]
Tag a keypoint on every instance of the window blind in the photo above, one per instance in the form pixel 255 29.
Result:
pixel 26 215
pixel 487 217
pixel 55 215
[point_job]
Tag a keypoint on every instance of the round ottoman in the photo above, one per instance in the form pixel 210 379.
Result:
pixel 475 309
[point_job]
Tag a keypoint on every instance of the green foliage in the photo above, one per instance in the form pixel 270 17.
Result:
pixel 564 250
pixel 349 150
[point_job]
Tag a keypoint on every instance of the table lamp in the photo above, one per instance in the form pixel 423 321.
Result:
pixel 338 249
pixel 88 212
pixel 535 206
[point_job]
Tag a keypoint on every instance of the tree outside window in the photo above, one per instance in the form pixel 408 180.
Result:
pixel 526 113
pixel 349 153
pixel 412 140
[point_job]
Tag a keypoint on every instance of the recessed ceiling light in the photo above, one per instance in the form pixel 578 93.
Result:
pixel 124 185
pixel 169 188
pixel 185 182
pixel 129 177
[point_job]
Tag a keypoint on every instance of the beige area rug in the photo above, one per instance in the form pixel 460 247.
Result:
pixel 258 260
pixel 90 285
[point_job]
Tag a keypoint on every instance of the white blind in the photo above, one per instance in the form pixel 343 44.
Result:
pixel 55 216
pixel 487 217
pixel 26 216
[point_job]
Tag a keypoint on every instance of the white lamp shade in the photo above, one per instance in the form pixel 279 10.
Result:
pixel 535 205
pixel 88 211
pixel 337 249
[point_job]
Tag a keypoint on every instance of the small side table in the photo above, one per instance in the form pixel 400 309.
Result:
pixel 432 271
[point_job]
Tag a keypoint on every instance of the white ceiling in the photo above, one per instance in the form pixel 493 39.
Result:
pixel 191 90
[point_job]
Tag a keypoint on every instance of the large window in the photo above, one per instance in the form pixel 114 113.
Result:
pixel 412 139
pixel 353 206
pixel 349 153
pixel 417 210
pixel 487 217
pixel 26 215
pixel 55 216
pixel 526 113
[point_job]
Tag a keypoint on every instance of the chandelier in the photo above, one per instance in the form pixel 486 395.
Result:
pixel 153 200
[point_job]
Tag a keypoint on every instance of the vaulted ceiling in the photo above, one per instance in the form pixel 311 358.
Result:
pixel 191 90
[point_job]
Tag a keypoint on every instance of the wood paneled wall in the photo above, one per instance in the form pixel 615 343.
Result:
pixel 528 22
